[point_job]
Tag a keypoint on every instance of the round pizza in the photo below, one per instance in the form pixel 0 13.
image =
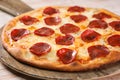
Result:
pixel 69 38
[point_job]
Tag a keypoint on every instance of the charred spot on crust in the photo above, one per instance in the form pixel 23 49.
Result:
pixel 74 63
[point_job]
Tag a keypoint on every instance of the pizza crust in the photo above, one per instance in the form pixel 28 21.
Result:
pixel 19 53
pixel 110 13
pixel 74 66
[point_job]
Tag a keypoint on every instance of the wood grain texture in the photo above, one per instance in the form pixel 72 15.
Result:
pixel 14 7
pixel 105 73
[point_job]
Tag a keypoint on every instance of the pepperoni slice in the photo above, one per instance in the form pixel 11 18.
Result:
pixel 44 31
pixel 52 20
pixel 17 34
pixel 28 20
pixel 50 11
pixel 114 40
pixel 97 51
pixel 98 24
pixel 78 18
pixel 65 40
pixel 101 15
pixel 90 36
pixel 40 48
pixel 66 55
pixel 115 25
pixel 76 9
pixel 69 28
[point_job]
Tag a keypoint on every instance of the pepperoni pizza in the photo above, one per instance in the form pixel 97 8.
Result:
pixel 64 38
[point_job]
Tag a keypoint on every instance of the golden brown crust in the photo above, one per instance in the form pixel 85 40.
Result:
pixel 19 53
pixel 110 13
pixel 74 66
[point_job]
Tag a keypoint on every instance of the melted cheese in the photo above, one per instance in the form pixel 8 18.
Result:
pixel 82 53
pixel 89 14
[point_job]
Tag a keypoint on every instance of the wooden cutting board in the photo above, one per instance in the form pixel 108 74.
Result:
pixel 98 74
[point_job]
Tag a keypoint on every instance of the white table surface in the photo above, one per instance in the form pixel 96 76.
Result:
pixel 112 5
